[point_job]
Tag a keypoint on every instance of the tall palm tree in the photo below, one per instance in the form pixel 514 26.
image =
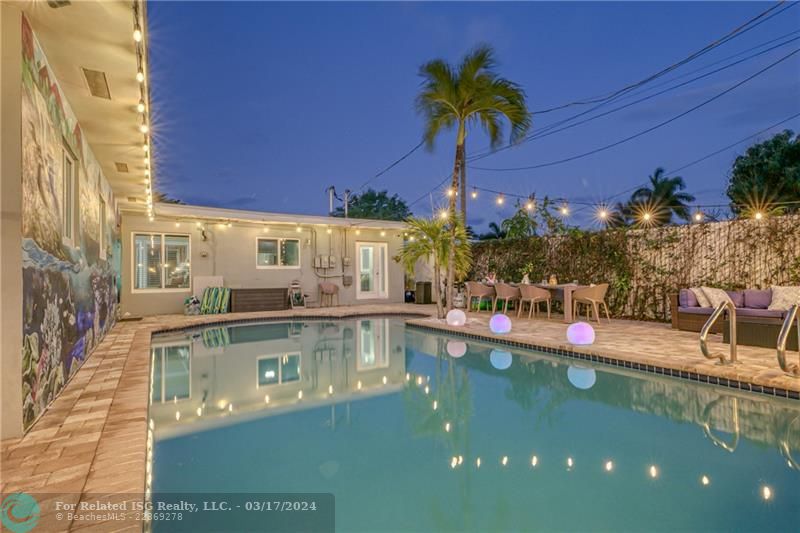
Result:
pixel 661 199
pixel 463 96
pixel 431 239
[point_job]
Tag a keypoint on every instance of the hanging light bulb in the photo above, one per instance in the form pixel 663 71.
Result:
pixel 146 147
pixel 443 214
pixel 564 210
pixel 451 192
pixel 529 205
pixel 500 200
pixel 647 216
pixel 759 215
pixel 144 128
pixel 602 214
pixel 140 106
pixel 140 76
pixel 698 217
pixel 474 193
pixel 137 35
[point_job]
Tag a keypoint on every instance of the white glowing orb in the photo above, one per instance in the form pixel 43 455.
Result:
pixel 500 324
pixel 580 333
pixel 456 317
pixel 500 359
pixel 581 378
pixel 456 348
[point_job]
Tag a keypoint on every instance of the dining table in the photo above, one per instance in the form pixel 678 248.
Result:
pixel 566 289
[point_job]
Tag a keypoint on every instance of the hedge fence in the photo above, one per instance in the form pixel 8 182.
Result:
pixel 644 266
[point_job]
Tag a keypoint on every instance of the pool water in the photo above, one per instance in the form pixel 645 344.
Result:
pixel 414 431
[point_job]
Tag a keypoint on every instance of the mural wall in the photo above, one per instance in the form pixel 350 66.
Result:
pixel 69 284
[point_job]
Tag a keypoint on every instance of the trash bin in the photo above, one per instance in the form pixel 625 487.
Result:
pixel 423 292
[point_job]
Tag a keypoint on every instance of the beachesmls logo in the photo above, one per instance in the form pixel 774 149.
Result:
pixel 20 512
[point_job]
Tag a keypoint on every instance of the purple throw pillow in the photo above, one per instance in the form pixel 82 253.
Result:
pixel 757 299
pixel 737 297
pixel 686 298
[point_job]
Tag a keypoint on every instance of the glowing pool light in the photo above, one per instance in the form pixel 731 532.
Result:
pixel 500 359
pixel 580 333
pixel 456 348
pixel 456 317
pixel 581 377
pixel 500 324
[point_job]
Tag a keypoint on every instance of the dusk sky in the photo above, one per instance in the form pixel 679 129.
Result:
pixel 262 105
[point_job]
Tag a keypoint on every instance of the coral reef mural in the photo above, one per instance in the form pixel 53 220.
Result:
pixel 69 275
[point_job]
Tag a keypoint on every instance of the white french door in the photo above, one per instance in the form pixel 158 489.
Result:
pixel 372 263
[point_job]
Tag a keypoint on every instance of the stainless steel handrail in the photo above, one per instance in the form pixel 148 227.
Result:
pixel 792 316
pixel 728 447
pixel 718 312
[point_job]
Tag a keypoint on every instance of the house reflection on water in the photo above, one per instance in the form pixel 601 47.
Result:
pixel 208 378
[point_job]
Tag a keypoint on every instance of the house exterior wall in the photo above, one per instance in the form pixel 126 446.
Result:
pixel 230 252
pixel 68 283
pixel 10 222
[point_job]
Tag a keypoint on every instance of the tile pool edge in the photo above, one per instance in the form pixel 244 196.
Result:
pixel 698 377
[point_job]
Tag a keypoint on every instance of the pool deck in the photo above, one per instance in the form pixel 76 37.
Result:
pixel 93 437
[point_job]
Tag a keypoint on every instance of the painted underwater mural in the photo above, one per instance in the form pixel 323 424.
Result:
pixel 69 286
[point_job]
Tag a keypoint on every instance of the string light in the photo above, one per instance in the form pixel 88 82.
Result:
pixel 140 106
pixel 529 205
pixel 564 210
pixel 451 192
pixel 602 214
pixel 443 214
pixel 474 193
pixel 144 128
pixel 500 200
pixel 698 216
pixel 646 216
pixel 140 76
pixel 758 215
pixel 137 35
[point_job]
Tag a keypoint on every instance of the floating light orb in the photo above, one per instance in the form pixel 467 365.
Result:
pixel 456 349
pixel 609 466
pixel 500 359
pixel 766 492
pixel 580 333
pixel 534 461
pixel 705 480
pixel 456 317
pixel 653 471
pixel 500 324
pixel 581 378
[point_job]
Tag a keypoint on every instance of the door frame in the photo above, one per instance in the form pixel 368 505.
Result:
pixel 376 294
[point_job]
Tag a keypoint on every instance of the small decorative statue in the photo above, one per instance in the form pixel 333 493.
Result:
pixel 553 280
pixel 526 280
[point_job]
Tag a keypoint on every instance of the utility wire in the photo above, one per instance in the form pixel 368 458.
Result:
pixel 552 129
pixel 394 164
pixel 647 130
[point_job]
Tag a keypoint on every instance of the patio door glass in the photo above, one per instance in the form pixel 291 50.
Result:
pixel 372 267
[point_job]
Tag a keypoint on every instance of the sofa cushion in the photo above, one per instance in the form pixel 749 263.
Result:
pixel 696 310
pixel 715 296
pixel 757 299
pixel 686 298
pixel 763 313
pixel 737 297
pixel 702 299
pixel 784 297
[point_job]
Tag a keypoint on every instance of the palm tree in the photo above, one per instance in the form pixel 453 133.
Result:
pixel 431 239
pixel 495 232
pixel 466 95
pixel 661 199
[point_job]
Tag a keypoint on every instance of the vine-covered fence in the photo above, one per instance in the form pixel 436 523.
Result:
pixel 644 266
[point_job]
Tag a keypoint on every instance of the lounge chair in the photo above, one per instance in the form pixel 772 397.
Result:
pixel 532 295
pixel 592 297
pixel 479 291
pixel 507 293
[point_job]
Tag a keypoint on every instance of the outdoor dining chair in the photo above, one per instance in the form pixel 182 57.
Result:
pixel 592 297
pixel 532 295
pixel 481 292
pixel 507 293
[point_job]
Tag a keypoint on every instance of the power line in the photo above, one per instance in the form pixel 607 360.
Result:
pixel 739 30
pixel 391 166
pixel 552 129
pixel 647 130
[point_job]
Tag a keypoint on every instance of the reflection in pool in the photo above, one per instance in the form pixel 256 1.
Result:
pixel 418 431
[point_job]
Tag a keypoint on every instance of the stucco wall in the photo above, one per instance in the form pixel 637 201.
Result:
pixel 69 282
pixel 230 252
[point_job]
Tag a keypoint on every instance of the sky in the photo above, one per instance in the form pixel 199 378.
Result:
pixel 264 105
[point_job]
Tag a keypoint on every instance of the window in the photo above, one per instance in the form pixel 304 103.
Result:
pixel 101 238
pixel 161 262
pixel 68 197
pixel 277 253
pixel 172 377
pixel 279 369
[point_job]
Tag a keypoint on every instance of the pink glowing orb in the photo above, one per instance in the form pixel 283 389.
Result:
pixel 500 359
pixel 500 324
pixel 456 348
pixel 580 333
pixel 456 317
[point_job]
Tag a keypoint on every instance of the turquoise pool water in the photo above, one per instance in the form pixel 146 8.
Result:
pixel 412 431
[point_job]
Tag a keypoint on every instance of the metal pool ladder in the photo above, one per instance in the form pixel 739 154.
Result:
pixel 792 317
pixel 718 312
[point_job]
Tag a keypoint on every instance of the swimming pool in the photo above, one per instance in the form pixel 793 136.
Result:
pixel 415 431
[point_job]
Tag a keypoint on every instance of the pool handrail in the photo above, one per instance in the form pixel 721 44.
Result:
pixel 718 312
pixel 792 317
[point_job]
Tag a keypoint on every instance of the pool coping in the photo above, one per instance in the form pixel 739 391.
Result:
pixel 574 352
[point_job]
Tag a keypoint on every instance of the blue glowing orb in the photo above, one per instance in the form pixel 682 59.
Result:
pixel 580 333
pixel 456 317
pixel 500 324
pixel 581 377
pixel 500 359
pixel 456 348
